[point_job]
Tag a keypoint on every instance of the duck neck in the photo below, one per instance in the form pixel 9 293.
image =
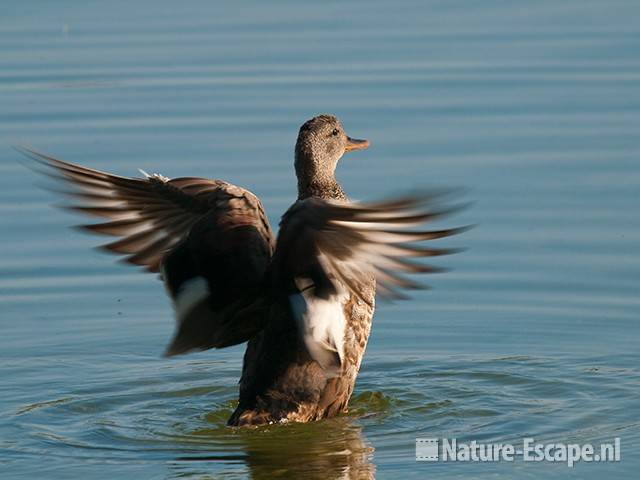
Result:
pixel 322 187
pixel 316 179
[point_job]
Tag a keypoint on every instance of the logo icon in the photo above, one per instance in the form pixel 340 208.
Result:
pixel 427 449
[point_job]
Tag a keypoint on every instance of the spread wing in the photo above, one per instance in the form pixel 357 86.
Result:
pixel 211 240
pixel 333 243
pixel 151 214
pixel 328 252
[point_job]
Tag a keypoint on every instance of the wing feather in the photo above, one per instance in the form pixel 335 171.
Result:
pixel 151 214
pixel 334 242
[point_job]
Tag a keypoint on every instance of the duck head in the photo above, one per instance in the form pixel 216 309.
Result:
pixel 321 143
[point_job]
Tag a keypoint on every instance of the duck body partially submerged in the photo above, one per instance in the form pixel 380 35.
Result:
pixel 304 302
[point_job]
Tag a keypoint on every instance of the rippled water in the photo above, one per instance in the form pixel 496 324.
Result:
pixel 534 106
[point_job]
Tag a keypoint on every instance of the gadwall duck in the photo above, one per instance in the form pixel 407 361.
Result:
pixel 303 302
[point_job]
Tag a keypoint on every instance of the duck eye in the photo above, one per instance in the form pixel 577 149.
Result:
pixel 335 132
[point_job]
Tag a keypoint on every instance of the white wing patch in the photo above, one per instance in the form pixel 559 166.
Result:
pixel 190 294
pixel 322 325
pixel 157 176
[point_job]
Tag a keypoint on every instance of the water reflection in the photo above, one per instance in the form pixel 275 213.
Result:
pixel 333 448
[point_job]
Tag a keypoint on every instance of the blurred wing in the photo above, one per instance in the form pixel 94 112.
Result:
pixel 334 243
pixel 329 251
pixel 152 214
pixel 211 240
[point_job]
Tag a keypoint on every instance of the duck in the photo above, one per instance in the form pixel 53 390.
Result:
pixel 302 301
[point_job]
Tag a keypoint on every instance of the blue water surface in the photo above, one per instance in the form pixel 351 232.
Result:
pixel 533 107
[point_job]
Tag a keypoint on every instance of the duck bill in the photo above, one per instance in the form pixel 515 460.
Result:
pixel 355 144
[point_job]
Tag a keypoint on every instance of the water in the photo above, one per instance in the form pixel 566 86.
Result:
pixel 534 106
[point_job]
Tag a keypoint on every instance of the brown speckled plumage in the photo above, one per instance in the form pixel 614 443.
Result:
pixel 304 303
